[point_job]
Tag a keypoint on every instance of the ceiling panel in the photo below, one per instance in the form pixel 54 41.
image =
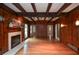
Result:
pixel 27 7
pixel 35 18
pixel 55 18
pixel 55 7
pixel 48 18
pixel 41 18
pixel 12 7
pixel 28 18
pixel 41 7
pixel 71 7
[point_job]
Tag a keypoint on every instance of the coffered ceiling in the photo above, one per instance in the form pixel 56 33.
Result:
pixel 41 11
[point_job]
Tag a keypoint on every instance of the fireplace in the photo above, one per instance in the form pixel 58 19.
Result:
pixel 14 39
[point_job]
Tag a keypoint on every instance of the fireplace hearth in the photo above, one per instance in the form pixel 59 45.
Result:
pixel 15 40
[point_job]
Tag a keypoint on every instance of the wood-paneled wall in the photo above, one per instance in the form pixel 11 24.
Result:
pixel 70 32
pixel 4 29
pixel 41 31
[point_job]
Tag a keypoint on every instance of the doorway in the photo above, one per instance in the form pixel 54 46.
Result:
pixel 25 31
pixel 32 30
pixel 57 32
pixel 50 32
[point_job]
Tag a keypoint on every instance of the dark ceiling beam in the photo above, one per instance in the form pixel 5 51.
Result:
pixel 77 8
pixel 7 8
pixel 38 14
pixel 63 8
pixel 26 20
pixel 33 6
pixel 48 8
pixel 50 20
pixel 45 17
pixel 38 18
pixel 32 19
pixel 44 22
pixel 19 7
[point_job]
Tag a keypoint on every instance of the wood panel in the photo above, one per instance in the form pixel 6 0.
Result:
pixel 69 33
pixel 41 31
pixel 3 38
pixel 0 38
pixel 5 29
pixel 74 17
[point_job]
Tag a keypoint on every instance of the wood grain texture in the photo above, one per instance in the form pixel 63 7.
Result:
pixel 69 33
pixel 8 15
pixel 45 47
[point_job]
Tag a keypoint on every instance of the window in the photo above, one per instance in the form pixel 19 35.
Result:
pixel 26 30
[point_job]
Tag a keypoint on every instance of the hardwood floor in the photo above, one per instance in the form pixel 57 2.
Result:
pixel 44 47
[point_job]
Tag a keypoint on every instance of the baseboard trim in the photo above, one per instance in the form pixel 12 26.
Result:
pixel 73 47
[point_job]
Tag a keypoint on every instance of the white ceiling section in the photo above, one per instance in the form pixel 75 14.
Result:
pixel 35 18
pixel 41 18
pixel 28 18
pixel 55 18
pixel 10 5
pixel 27 7
pixel 72 6
pixel 48 18
pixel 41 7
pixel 55 7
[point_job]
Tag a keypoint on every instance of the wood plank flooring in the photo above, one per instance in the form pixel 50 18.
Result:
pixel 44 47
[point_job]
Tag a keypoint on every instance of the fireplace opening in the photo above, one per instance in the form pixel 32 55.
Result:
pixel 15 40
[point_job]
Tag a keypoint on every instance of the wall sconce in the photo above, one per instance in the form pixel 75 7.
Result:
pixel 62 25
pixel 77 23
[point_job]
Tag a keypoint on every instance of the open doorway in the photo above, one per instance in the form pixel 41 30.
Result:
pixel 57 32
pixel 25 31
pixel 32 30
pixel 50 32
